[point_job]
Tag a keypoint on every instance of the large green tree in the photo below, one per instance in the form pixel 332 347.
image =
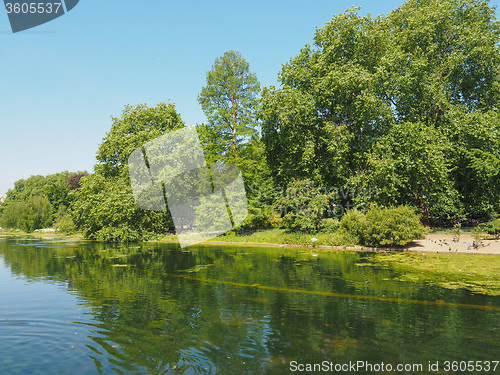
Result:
pixel 104 207
pixel 428 69
pixel 328 111
pixel 409 165
pixel 137 125
pixel 229 101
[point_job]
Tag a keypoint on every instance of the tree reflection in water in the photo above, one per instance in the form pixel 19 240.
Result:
pixel 158 309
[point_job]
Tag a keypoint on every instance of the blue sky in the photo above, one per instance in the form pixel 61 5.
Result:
pixel 62 81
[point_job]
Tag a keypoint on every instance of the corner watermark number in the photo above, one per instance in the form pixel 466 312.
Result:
pixel 26 14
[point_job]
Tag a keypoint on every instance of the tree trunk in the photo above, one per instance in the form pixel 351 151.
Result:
pixel 235 117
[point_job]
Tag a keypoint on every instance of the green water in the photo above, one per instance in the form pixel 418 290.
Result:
pixel 85 308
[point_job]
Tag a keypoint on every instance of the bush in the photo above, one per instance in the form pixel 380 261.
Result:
pixel 493 228
pixel 261 221
pixel 393 226
pixel 354 224
pixel 330 225
pixel 117 234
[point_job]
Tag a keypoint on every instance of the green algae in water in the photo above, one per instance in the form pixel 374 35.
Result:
pixel 476 272
pixel 244 310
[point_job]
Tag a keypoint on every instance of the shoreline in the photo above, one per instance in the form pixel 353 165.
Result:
pixel 429 244
pixel 432 243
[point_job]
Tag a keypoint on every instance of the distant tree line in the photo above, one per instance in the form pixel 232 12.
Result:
pixel 40 202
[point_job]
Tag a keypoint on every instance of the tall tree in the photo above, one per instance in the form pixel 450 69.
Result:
pixel 327 113
pixel 229 101
pixel 103 207
pixel 430 66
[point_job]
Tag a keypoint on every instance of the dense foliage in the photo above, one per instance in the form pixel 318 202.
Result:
pixel 32 202
pixel 493 227
pixel 410 165
pixel 406 102
pixel 303 206
pixel 137 125
pixel 104 207
pixel 33 213
pixel 74 181
pixel 63 221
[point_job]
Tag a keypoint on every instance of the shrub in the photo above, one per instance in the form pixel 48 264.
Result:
pixel 275 221
pixel 392 226
pixel 354 224
pixel 493 228
pixel 261 221
pixel 330 225
pixel 117 234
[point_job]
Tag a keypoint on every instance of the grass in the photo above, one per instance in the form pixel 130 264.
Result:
pixel 466 230
pixel 18 232
pixel 281 236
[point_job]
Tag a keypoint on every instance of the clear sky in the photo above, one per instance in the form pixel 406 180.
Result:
pixel 62 81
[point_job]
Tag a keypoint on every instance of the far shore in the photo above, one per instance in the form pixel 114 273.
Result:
pixel 435 243
pixel 432 243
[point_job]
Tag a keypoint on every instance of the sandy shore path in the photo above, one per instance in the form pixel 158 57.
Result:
pixel 444 243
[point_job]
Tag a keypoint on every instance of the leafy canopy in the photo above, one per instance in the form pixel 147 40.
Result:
pixel 137 125
pixel 103 207
pixel 426 75
pixel 31 203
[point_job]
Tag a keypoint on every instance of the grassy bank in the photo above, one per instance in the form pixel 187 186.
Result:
pixel 474 272
pixel 284 237
pixel 280 236
pixel 17 232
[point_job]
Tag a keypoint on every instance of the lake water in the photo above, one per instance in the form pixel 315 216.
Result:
pixel 69 307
